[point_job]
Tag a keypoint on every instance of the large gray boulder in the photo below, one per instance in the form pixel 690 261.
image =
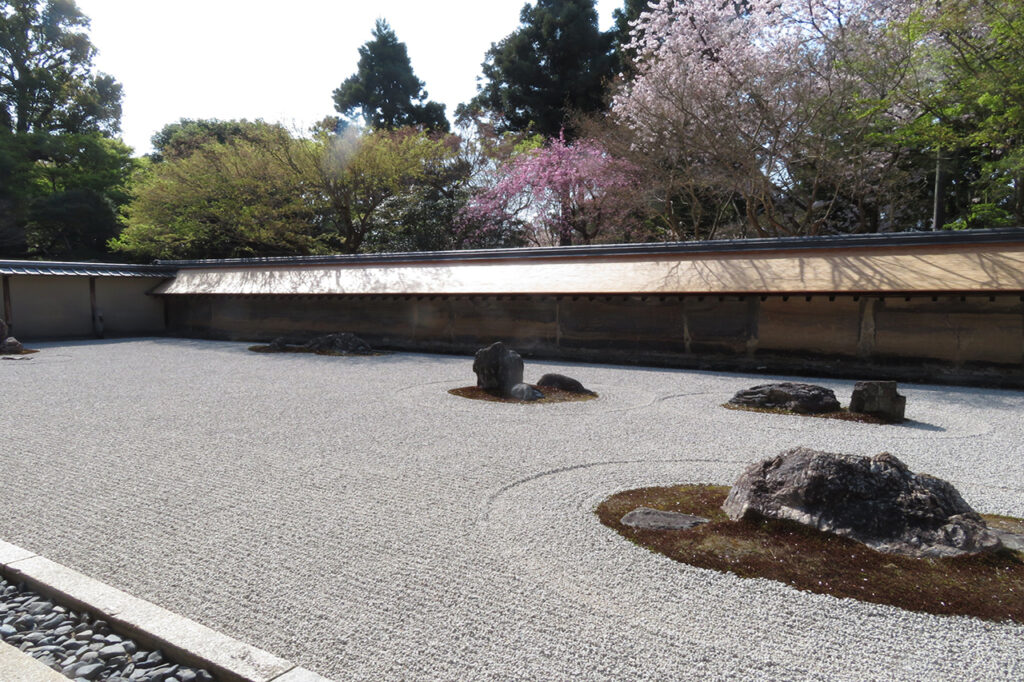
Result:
pixel 498 368
pixel 795 397
pixel 880 399
pixel 875 500
pixel 563 383
pixel 338 343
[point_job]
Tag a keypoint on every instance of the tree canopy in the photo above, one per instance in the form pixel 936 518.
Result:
pixel 384 90
pixel 554 65
pixel 47 82
pixel 62 176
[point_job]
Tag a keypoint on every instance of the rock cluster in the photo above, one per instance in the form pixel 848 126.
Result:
pixel 498 368
pixel 79 646
pixel 795 397
pixel 339 343
pixel 343 342
pixel 875 500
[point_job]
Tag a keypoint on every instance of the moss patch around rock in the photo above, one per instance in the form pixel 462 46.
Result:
pixel 987 586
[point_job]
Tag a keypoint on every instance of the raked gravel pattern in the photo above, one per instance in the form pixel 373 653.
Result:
pixel 350 515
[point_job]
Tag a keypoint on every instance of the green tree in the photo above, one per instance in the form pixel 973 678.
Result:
pixel 554 66
pixel 620 32
pixel 363 174
pixel 384 90
pixel 253 195
pixel 47 83
pixel 181 139
pixel 62 177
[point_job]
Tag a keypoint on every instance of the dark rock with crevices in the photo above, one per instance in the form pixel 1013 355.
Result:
pixel 11 346
pixel 563 383
pixel 878 398
pixel 792 396
pixel 498 368
pixel 875 500
pixel 343 342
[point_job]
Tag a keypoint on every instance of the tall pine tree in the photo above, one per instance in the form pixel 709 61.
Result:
pixel 556 64
pixel 384 90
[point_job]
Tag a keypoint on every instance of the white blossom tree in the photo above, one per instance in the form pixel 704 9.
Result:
pixel 777 102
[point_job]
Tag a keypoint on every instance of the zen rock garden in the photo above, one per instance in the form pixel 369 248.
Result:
pixel 499 372
pixel 877 399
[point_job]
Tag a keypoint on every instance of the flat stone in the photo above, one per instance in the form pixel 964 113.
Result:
pixel 655 519
pixel 524 392
pixel 1014 541
pixel 563 383
pixel 795 397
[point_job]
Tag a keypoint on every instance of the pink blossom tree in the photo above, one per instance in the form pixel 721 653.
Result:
pixel 561 194
pixel 777 102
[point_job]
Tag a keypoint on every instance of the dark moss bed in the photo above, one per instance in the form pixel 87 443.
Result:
pixel 843 414
pixel 25 351
pixel 551 395
pixel 300 349
pixel 986 586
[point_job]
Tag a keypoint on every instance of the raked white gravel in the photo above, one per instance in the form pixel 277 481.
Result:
pixel 350 515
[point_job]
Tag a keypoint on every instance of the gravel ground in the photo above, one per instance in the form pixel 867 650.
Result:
pixel 350 515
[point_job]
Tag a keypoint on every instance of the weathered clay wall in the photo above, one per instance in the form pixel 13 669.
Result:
pixel 62 306
pixel 973 339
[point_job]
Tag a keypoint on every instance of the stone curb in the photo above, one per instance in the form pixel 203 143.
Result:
pixel 15 665
pixel 183 640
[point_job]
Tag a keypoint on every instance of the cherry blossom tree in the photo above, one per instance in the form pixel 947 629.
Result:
pixel 777 102
pixel 561 194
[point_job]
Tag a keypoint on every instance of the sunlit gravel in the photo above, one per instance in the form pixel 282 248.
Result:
pixel 349 514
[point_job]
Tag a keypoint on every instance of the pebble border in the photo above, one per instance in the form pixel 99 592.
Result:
pixel 194 650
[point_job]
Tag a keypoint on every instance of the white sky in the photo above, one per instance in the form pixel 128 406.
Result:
pixel 280 61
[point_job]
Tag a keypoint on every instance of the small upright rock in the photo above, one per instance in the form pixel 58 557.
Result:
pixel 563 383
pixel 795 397
pixel 498 368
pixel 11 346
pixel 4 329
pixel 878 398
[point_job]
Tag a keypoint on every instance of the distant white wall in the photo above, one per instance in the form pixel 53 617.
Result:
pixel 59 306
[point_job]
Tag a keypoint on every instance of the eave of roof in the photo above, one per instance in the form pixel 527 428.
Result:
pixel 896 240
pixel 29 267
pixel 878 266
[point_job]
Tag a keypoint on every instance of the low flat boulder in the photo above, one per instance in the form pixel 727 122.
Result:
pixel 795 397
pixel 498 368
pixel 654 519
pixel 878 398
pixel 875 500
pixel 11 345
pixel 525 392
pixel 278 345
pixel 563 383
pixel 339 343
